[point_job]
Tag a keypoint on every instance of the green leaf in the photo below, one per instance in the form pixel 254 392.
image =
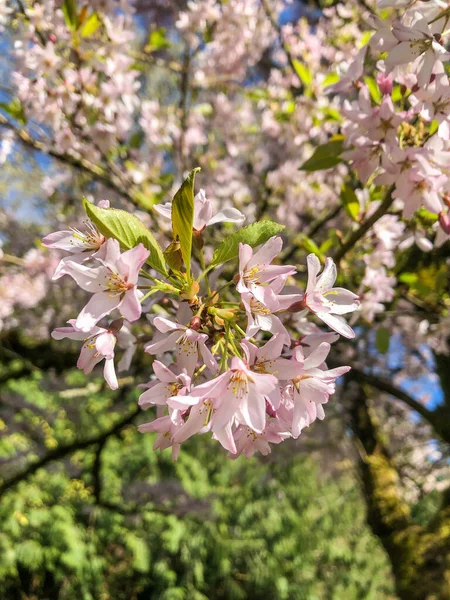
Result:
pixel 69 8
pixel 183 218
pixel 324 156
pixel 157 40
pixel 330 79
pixel 303 72
pixel 91 26
pixel 128 230
pixel 253 235
pixel 350 202
pixel 373 89
pixel 15 110
pixel 382 340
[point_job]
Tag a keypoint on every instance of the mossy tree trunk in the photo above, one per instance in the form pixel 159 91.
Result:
pixel 420 556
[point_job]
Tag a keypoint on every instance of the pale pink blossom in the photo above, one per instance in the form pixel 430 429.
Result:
pixel 256 272
pixel 98 344
pixel 327 302
pixel 203 213
pixel 113 284
pixel 185 341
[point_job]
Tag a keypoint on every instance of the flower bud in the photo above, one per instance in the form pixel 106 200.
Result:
pixel 115 326
pixel 444 222
pixel 225 314
pixel 197 239
pixel 195 323
pixel 190 292
pixel 297 306
pixel 385 84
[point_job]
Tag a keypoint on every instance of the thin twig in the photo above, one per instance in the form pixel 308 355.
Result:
pixel 364 228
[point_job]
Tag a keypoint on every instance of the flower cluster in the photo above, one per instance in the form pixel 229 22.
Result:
pixel 225 361
pixel 397 129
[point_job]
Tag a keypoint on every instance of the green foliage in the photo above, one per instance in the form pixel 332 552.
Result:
pixel 15 110
pixel 350 202
pixel 128 230
pixel 90 26
pixel 183 218
pixel 325 156
pixel 202 528
pixel 69 8
pixel 253 235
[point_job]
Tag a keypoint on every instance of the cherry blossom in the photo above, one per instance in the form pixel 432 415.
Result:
pixel 113 284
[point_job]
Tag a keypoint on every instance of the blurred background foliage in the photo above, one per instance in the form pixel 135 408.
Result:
pixel 117 520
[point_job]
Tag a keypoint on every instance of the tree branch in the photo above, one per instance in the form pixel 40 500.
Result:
pixel 81 164
pixel 291 60
pixel 364 228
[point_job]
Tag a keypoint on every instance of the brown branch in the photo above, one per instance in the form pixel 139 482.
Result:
pixel 81 164
pixel 385 386
pixel 364 228
pixel 285 47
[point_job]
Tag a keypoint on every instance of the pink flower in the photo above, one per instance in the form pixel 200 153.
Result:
pixel 167 384
pixel 354 72
pixel 97 345
pixel 113 284
pixel 239 394
pixel 81 244
pixel 312 388
pixel 327 302
pixel 203 213
pixel 256 272
pixel 248 441
pixel 416 43
pixel 166 427
pixel 185 341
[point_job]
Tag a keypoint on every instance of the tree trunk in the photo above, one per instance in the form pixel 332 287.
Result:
pixel 420 556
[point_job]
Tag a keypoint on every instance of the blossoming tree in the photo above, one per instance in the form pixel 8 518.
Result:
pixel 323 142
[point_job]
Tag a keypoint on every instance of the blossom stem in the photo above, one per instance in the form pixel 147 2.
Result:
pixel 203 267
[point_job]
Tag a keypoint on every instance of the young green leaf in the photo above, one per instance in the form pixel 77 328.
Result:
pixel 253 235
pixel 324 156
pixel 90 26
pixel 183 218
pixel 69 8
pixel 128 230
pixel 350 202
pixel 303 73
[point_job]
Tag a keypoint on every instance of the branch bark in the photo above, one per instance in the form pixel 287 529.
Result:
pixel 364 228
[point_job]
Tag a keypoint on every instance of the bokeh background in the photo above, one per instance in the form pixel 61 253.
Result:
pixel 357 507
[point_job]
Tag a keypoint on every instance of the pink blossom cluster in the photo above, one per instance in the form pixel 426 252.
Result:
pixel 85 99
pixel 225 362
pixel 24 283
pixel 397 131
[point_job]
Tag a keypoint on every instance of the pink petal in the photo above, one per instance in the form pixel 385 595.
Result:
pixel 110 374
pixel 98 306
pixel 163 373
pixel 131 262
pixel 130 306
pixel 105 343
pixel 267 252
pixel 313 271
pixel 338 324
pixel 91 279
pixel 64 240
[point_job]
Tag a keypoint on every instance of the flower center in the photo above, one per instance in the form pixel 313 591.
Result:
pixel 91 239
